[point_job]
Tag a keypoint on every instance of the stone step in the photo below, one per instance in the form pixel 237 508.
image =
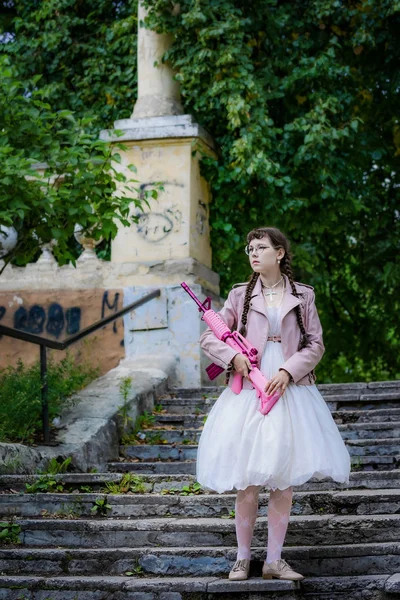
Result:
pixel 315 529
pixel 359 462
pixel 161 468
pixel 377 430
pixel 378 587
pixel 349 431
pixel 96 481
pixel 377 415
pixel 182 452
pixel 326 389
pixel 153 452
pixel 360 502
pixel 373 447
pixel 136 588
pixel 311 561
pixel 340 402
pixel 374 479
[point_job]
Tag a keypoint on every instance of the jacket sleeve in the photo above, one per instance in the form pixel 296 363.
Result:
pixel 305 360
pixel 219 352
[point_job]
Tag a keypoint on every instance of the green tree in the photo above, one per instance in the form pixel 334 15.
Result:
pixel 85 53
pixel 302 98
pixel 79 179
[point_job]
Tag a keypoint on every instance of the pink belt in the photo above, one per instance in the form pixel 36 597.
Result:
pixel 274 338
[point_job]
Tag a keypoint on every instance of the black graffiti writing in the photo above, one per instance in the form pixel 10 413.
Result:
pixel 36 321
pixel 111 306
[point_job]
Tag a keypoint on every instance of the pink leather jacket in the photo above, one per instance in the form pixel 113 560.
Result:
pixel 298 363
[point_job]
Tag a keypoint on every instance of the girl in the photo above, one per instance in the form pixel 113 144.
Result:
pixel 244 450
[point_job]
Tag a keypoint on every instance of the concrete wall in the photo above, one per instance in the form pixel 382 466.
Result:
pixel 57 314
pixel 171 325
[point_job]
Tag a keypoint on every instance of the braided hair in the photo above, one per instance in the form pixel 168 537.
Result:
pixel 278 240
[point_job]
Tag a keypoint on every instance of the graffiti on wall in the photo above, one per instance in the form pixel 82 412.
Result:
pixel 55 320
pixel 201 217
pixel 156 226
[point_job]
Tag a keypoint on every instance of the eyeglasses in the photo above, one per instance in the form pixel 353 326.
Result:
pixel 250 249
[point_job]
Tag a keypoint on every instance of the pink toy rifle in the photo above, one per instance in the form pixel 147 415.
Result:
pixel 236 341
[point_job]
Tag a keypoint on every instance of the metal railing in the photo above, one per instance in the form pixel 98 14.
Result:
pixel 45 343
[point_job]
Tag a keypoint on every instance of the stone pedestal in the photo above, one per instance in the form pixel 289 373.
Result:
pixel 170 243
pixel 166 150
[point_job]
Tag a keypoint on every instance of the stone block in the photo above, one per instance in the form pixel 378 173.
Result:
pixel 392 584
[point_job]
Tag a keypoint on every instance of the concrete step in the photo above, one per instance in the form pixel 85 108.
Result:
pixel 168 468
pixel 356 502
pixel 377 415
pixel 373 447
pixel 150 452
pixel 79 482
pixel 349 431
pixel 358 460
pixel 336 402
pixel 135 588
pixel 178 452
pixel 377 430
pixel 378 587
pixel 373 480
pixel 316 529
pixel 187 436
pixel 311 561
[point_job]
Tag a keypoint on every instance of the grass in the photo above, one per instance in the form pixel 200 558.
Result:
pixel 20 400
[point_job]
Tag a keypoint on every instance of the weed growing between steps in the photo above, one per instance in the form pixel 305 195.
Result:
pixel 136 435
pixel 193 489
pixel 20 402
pixel 129 483
pixel 47 482
pixel 9 532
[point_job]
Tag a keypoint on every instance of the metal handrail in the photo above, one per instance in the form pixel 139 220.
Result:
pixel 45 343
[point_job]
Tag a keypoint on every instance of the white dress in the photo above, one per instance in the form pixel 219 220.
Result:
pixel 296 441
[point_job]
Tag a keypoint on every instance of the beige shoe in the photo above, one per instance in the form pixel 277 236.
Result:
pixel 280 570
pixel 240 570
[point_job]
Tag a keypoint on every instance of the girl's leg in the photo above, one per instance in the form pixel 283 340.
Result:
pixel 246 507
pixel 279 506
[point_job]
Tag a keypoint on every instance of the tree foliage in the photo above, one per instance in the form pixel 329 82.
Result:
pixel 78 181
pixel 85 53
pixel 302 100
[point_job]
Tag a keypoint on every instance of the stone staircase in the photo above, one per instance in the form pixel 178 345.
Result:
pixel 165 539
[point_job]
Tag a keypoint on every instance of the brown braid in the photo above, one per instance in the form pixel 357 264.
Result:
pixel 286 267
pixel 246 306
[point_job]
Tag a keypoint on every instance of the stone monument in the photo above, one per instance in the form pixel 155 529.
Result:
pixel 170 243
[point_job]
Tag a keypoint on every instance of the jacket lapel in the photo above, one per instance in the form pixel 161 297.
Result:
pixel 288 301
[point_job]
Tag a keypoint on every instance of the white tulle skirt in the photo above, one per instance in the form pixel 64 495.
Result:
pixel 296 441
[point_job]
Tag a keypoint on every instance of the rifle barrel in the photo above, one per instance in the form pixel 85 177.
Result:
pixel 193 296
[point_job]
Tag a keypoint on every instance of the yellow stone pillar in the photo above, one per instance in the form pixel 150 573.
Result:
pixel 158 92
pixel 170 242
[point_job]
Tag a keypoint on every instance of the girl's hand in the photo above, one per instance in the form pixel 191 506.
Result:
pixel 241 364
pixel 279 382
